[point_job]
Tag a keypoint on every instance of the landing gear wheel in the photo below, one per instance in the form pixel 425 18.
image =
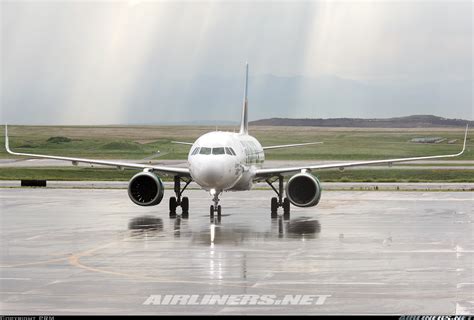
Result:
pixel 211 213
pixel 286 208
pixel 274 207
pixel 219 211
pixel 185 205
pixel 286 205
pixel 173 205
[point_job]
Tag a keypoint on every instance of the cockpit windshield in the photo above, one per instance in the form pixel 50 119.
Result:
pixel 218 151
pixel 230 151
pixel 205 150
pixel 214 151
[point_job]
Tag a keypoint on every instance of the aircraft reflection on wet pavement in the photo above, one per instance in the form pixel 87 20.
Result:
pixel 215 233
pixel 146 223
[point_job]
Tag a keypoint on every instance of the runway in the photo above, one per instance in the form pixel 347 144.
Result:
pixel 91 251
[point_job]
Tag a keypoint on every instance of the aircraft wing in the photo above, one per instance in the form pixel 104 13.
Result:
pixel 262 173
pixel 162 169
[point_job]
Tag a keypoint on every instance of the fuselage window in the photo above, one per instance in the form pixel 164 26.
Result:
pixel 196 151
pixel 227 151
pixel 232 151
pixel 218 151
pixel 205 150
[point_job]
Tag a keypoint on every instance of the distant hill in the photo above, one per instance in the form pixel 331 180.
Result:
pixel 215 98
pixel 416 121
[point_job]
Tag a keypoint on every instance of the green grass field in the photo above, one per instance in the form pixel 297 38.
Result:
pixel 138 142
pixel 106 174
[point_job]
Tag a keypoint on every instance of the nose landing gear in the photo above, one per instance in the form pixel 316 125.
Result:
pixel 215 208
pixel 178 201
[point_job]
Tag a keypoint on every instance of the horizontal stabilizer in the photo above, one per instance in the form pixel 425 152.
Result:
pixel 181 142
pixel 290 145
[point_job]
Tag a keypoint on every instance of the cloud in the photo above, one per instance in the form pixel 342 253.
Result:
pixel 136 61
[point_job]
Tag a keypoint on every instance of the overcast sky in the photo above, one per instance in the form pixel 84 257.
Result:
pixel 87 62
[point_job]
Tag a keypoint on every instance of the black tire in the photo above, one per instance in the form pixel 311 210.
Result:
pixel 185 204
pixel 211 213
pixel 219 209
pixel 286 206
pixel 173 205
pixel 274 205
pixel 185 215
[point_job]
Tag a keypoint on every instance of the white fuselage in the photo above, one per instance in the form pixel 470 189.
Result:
pixel 225 160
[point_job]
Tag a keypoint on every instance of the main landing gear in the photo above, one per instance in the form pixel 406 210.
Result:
pixel 280 201
pixel 178 201
pixel 216 207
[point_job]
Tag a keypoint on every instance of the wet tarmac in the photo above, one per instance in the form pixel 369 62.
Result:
pixel 80 251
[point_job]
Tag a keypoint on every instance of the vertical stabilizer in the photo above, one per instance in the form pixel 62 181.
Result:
pixel 244 122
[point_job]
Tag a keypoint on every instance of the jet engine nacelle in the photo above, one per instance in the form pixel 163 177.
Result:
pixel 145 189
pixel 303 190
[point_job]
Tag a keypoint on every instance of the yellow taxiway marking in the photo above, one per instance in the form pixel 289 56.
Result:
pixel 33 263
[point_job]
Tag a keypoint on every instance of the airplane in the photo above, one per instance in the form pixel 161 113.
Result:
pixel 228 161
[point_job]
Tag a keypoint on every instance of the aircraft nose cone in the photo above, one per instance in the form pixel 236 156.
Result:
pixel 212 175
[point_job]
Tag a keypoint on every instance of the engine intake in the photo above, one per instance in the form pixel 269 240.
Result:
pixel 145 189
pixel 303 190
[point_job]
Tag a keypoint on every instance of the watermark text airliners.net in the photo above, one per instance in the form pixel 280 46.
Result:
pixel 236 299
